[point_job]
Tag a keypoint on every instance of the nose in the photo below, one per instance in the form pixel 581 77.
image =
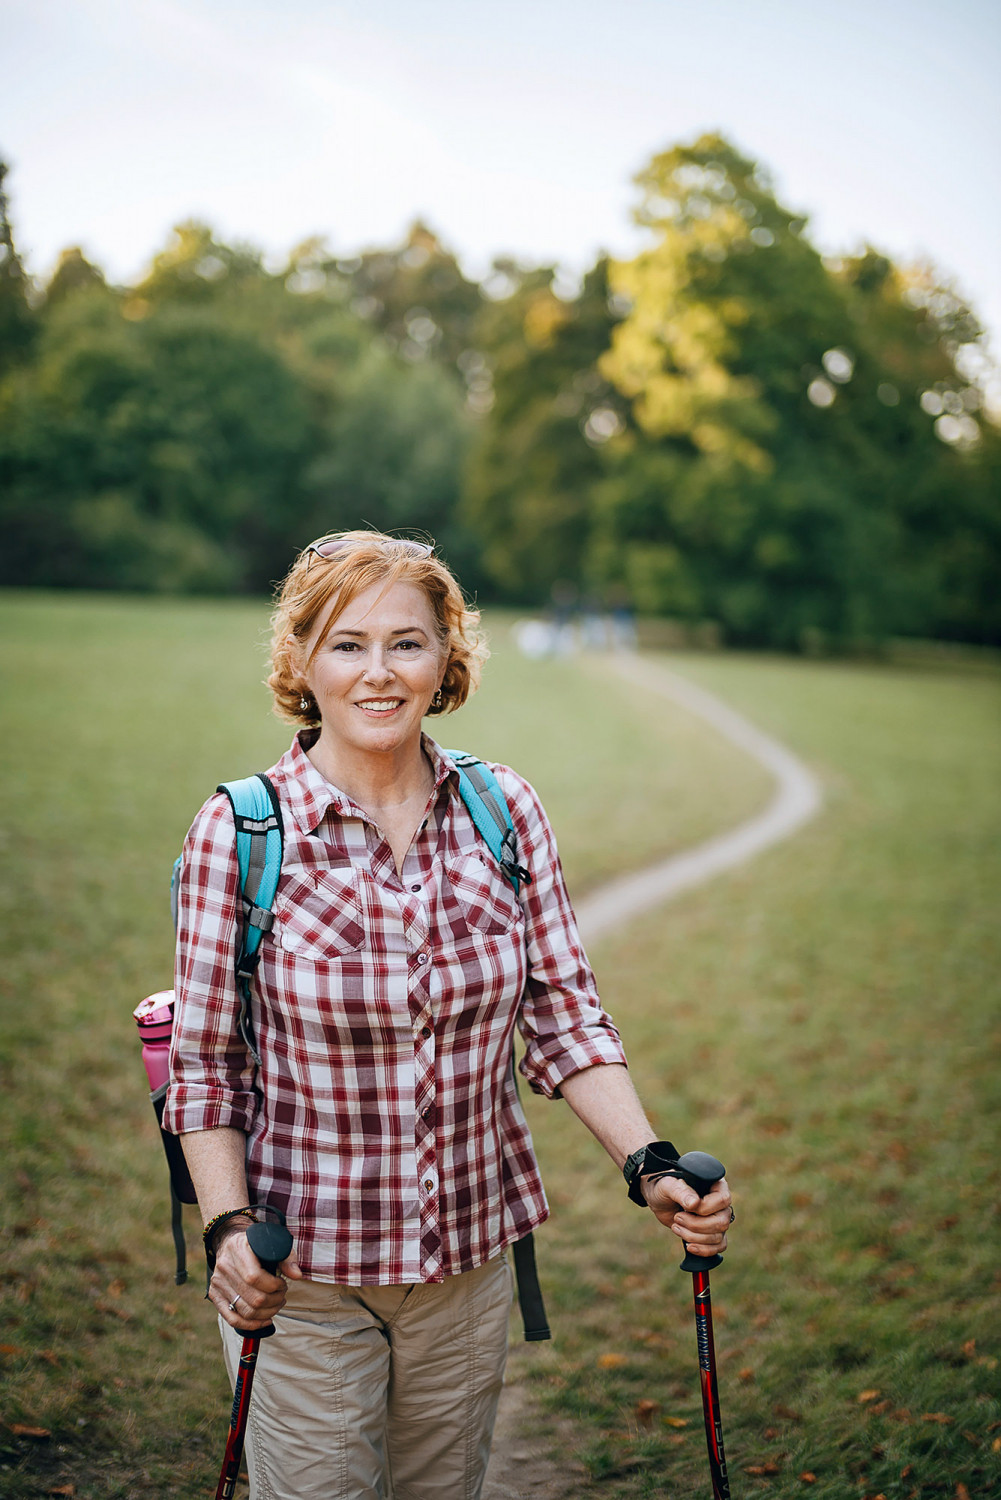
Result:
pixel 378 668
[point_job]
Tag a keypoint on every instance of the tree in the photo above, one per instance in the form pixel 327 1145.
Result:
pixel 784 477
pixel 16 322
pixel 535 458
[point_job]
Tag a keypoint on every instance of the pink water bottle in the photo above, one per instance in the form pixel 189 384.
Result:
pixel 155 1018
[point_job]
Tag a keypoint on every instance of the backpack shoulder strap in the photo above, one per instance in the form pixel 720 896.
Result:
pixel 487 806
pixel 259 846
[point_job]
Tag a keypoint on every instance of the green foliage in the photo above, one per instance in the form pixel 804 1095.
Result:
pixel 532 469
pixel 729 429
pixel 16 323
pixel 785 478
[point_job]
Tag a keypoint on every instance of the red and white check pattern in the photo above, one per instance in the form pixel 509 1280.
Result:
pixel 384 1120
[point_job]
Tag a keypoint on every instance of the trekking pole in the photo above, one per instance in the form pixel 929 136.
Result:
pixel 271 1243
pixel 700 1171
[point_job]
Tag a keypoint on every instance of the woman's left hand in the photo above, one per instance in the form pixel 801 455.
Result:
pixel 701 1224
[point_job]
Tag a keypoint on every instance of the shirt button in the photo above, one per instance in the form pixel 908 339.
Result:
pixel 422 958
pixel 415 887
pixel 425 1031
pixel 428 1184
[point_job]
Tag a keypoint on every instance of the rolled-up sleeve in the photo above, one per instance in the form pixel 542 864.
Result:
pixel 563 1023
pixel 211 1071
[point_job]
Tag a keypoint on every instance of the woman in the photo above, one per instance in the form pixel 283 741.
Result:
pixel 383 1119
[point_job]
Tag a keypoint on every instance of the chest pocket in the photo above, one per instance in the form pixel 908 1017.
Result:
pixel 487 901
pixel 320 914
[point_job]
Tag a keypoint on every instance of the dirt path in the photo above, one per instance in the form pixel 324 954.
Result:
pixel 521 1467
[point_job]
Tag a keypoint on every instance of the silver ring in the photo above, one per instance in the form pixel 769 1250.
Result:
pixel 732 1215
pixel 232 1305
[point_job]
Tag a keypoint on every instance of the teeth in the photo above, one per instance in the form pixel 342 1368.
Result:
pixel 380 706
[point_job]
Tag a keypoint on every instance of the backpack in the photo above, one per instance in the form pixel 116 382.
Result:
pixel 259 845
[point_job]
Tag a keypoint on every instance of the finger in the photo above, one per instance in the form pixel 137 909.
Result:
pixel 291 1269
pixel 697 1224
pixel 670 1193
pixel 717 1200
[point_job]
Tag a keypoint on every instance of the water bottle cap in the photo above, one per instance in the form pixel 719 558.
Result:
pixel 155 1010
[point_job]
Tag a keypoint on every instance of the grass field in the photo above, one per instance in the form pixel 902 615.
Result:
pixel 825 1020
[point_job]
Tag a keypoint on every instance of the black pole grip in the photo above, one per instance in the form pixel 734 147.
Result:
pixel 699 1170
pixel 271 1243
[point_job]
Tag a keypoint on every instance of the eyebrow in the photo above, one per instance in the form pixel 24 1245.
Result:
pixel 361 634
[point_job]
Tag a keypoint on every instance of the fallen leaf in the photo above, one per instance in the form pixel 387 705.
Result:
pixel 996 1446
pixel 675 1421
pixel 971 1438
pixel 949 1222
pixel 962 1493
pixel 170 1309
pixel 746 1375
pixel 939 1417
pixel 771 1433
pixel 864 1397
pixel 807 1477
pixel 116 1287
pixel 786 1413
pixel 879 1408
pixel 902 1414
pixel 644 1412
pixel 758 1470
pixel 970 1348
pixel 10 1351
pixel 63 1489
pixel 611 1361
pixel 906 1473
pixel 49 1357
pixel 762 1320
pixel 21 1429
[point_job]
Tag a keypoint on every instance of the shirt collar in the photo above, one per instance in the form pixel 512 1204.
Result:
pixel 309 795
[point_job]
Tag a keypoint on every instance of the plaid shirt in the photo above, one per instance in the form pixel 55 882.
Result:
pixel 384 1119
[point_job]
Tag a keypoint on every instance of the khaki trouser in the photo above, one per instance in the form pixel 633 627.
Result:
pixel 378 1392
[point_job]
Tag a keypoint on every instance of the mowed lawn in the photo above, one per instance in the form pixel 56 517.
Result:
pixel 824 1019
pixel 120 716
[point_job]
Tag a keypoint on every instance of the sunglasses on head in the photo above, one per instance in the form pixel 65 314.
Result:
pixel 329 546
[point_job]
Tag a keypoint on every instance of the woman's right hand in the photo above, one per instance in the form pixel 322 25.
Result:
pixel 246 1295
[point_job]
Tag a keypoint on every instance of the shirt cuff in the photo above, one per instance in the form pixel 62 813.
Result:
pixel 187 1108
pixel 545 1074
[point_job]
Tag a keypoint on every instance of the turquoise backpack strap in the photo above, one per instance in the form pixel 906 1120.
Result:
pixel 259 844
pixel 486 805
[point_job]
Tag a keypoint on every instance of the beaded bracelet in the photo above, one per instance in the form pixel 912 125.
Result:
pixel 208 1233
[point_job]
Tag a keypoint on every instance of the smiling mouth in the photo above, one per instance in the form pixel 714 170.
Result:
pixel 380 705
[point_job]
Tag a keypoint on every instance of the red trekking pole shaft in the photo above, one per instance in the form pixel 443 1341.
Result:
pixel 271 1243
pixel 700 1171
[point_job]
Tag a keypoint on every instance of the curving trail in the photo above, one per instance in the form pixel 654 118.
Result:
pixel 520 1466
pixel 797 798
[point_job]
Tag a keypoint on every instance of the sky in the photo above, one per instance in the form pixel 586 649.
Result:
pixel 510 129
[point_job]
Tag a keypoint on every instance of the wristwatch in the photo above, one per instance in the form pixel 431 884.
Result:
pixel 656 1156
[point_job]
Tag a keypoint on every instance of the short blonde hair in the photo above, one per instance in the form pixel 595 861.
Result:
pixel 315 585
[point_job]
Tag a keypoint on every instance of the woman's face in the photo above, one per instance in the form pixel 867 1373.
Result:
pixel 376 668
